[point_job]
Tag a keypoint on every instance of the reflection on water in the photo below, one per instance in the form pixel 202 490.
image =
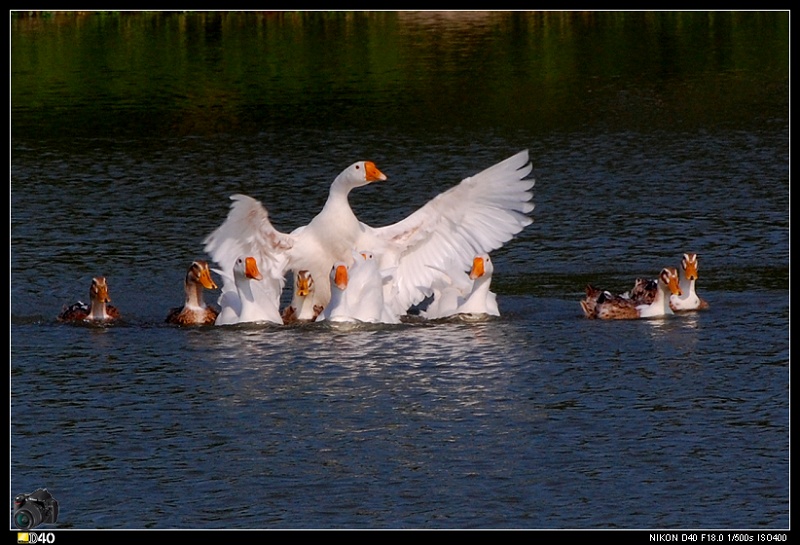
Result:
pixel 651 134
pixel 388 357
pixel 212 73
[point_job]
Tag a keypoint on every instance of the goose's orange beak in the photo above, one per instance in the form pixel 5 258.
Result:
pixel 251 269
pixel 340 277
pixel 477 268
pixel 372 173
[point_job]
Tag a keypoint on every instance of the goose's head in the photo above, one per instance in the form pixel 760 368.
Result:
pixel 304 283
pixel 98 292
pixel 689 265
pixel 246 267
pixel 481 265
pixel 339 275
pixel 358 174
pixel 199 273
pixel 669 277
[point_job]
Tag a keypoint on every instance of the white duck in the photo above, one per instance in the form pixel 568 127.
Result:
pixel 465 295
pixel 357 292
pixel 248 303
pixel 478 215
pixel 689 300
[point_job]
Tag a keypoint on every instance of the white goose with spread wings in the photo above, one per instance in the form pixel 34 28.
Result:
pixel 478 215
pixel 329 237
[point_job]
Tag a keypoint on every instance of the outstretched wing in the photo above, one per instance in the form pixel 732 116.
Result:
pixel 477 216
pixel 247 231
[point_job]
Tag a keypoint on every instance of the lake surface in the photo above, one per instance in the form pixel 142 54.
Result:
pixel 650 134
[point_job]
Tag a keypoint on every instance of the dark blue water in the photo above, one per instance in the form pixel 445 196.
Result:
pixel 650 136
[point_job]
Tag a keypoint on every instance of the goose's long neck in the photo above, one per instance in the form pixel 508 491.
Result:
pixel 246 294
pixel 338 193
pixel 481 286
pixel 336 225
pixel 476 300
pixel 337 306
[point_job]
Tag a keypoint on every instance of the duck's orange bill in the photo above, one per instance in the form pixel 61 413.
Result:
pixel 205 278
pixel 690 266
pixel 670 277
pixel 303 284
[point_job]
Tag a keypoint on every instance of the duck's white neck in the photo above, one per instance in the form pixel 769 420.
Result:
pixel 98 311
pixel 689 300
pixel 660 304
pixel 304 306
pixel 687 287
pixel 194 295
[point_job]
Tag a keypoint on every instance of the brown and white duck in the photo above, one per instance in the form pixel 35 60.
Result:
pixel 689 300
pixel 194 310
pixel 98 308
pixel 302 307
pixel 606 306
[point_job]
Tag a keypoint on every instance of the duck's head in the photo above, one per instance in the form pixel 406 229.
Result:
pixel 669 276
pixel 304 283
pixel 641 285
pixel 644 290
pixel 199 273
pixel 99 290
pixel 689 265
pixel 481 265
pixel 246 267
pixel 339 275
